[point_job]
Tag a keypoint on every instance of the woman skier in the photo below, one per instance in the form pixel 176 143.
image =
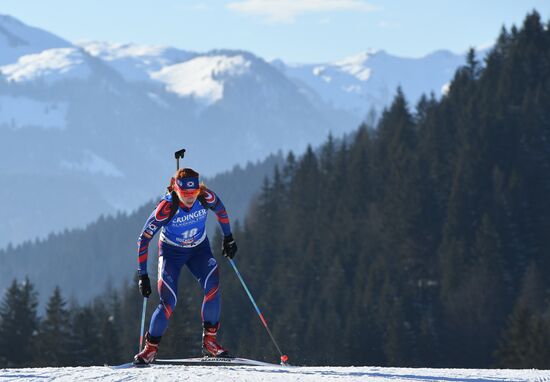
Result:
pixel 181 218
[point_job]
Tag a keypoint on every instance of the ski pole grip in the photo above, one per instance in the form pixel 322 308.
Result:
pixel 179 154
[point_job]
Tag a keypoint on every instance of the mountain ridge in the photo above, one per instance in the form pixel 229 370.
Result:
pixel 98 120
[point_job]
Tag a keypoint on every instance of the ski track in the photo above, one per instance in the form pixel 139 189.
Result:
pixel 271 374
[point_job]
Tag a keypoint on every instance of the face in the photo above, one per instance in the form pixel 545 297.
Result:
pixel 187 197
pixel 187 190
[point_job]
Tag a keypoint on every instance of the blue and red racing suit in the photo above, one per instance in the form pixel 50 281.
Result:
pixel 183 241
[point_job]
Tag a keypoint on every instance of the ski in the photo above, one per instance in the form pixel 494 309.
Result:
pixel 212 361
pixel 199 361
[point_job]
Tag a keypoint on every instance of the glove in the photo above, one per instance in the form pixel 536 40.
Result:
pixel 229 247
pixel 144 285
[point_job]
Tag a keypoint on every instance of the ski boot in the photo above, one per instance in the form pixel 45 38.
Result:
pixel 149 352
pixel 210 347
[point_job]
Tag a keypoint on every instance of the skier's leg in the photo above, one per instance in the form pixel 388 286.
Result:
pixel 168 275
pixel 204 267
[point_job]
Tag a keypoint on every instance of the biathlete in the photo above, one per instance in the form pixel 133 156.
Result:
pixel 181 218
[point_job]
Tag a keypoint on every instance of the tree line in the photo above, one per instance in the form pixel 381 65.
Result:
pixel 421 241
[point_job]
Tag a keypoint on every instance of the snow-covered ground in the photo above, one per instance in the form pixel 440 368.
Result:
pixel 271 374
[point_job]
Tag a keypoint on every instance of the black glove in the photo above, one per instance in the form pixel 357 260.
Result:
pixel 144 285
pixel 229 247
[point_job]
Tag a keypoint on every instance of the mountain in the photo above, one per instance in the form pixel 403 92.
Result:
pixel 354 84
pixel 18 39
pixel 135 62
pixel 370 78
pixel 95 142
pixel 94 124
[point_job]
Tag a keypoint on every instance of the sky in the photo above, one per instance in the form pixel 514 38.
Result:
pixel 296 31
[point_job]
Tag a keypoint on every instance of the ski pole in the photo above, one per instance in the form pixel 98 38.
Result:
pixel 284 357
pixel 142 322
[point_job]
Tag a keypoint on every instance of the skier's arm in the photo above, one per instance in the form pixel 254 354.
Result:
pixel 229 247
pixel 216 205
pixel 157 219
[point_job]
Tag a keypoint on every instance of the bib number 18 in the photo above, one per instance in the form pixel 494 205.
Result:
pixel 190 233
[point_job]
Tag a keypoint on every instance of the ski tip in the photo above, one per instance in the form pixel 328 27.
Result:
pixel 284 359
pixel 128 365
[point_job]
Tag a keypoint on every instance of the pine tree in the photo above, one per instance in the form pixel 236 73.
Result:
pixel 472 64
pixel 53 341
pixel 19 324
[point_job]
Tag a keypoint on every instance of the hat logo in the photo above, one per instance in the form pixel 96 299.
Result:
pixel 190 183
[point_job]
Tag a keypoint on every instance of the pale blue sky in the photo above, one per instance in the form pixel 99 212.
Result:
pixel 293 30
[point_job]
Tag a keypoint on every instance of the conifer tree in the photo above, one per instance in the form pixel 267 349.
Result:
pixel 53 342
pixel 19 324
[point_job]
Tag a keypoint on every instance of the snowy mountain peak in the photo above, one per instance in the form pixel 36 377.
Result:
pixel 136 62
pixel 49 65
pixel 356 65
pixel 358 59
pixel 112 51
pixel 202 77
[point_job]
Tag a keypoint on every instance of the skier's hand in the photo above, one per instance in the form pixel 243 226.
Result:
pixel 144 285
pixel 229 247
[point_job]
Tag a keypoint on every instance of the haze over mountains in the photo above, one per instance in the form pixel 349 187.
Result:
pixel 89 128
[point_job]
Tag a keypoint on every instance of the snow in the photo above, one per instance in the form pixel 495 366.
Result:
pixel 183 73
pixel 370 78
pixel 135 62
pixel 50 65
pixel 17 112
pixel 112 51
pixel 202 77
pixel 356 65
pixel 272 374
